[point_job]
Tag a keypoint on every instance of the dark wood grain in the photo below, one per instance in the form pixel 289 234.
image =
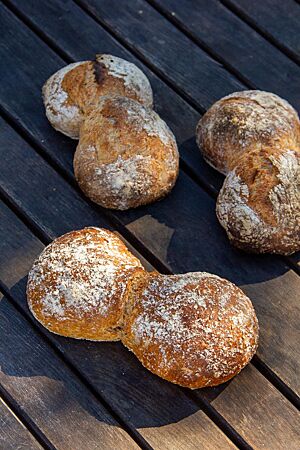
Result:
pixel 170 230
pixel 248 54
pixel 112 371
pixel 278 20
pixel 47 391
pixel 13 434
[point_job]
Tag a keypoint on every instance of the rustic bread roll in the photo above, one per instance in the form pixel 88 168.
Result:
pixel 195 329
pixel 126 156
pixel 259 203
pixel 78 285
pixel 74 89
pixel 245 121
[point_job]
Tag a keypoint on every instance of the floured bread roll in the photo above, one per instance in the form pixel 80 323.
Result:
pixel 126 156
pixel 194 329
pixel 259 203
pixel 74 89
pixel 79 284
pixel 246 121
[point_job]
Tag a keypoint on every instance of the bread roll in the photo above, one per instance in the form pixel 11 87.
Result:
pixel 78 285
pixel 126 156
pixel 194 330
pixel 246 121
pixel 259 203
pixel 74 89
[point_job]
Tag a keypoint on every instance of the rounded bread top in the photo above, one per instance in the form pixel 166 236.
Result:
pixel 74 89
pixel 246 121
pixel 194 329
pixel 126 156
pixel 77 286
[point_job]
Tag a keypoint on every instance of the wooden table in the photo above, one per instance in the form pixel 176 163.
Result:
pixel 59 393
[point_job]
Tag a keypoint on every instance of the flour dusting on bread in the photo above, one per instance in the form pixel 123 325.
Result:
pixel 81 275
pixel 133 78
pixel 60 113
pixel 276 227
pixel 126 156
pixel 246 121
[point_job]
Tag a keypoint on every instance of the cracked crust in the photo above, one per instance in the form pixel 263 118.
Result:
pixel 126 156
pixel 73 90
pixel 259 203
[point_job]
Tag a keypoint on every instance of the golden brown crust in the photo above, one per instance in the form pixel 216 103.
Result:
pixel 126 156
pixel 194 329
pixel 246 121
pixel 78 285
pixel 259 203
pixel 73 90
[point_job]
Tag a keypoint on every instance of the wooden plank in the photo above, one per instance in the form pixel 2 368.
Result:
pixel 278 20
pixel 272 425
pixel 105 365
pixel 170 230
pixel 236 44
pixel 48 392
pixel 113 372
pixel 160 43
pixel 13 434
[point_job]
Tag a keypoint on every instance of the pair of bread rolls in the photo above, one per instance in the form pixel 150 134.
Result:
pixel 253 137
pixel 126 156
pixel 194 329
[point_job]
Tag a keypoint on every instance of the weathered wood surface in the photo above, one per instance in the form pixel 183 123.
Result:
pixel 48 392
pixel 105 373
pixel 13 434
pixel 172 53
pixel 251 392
